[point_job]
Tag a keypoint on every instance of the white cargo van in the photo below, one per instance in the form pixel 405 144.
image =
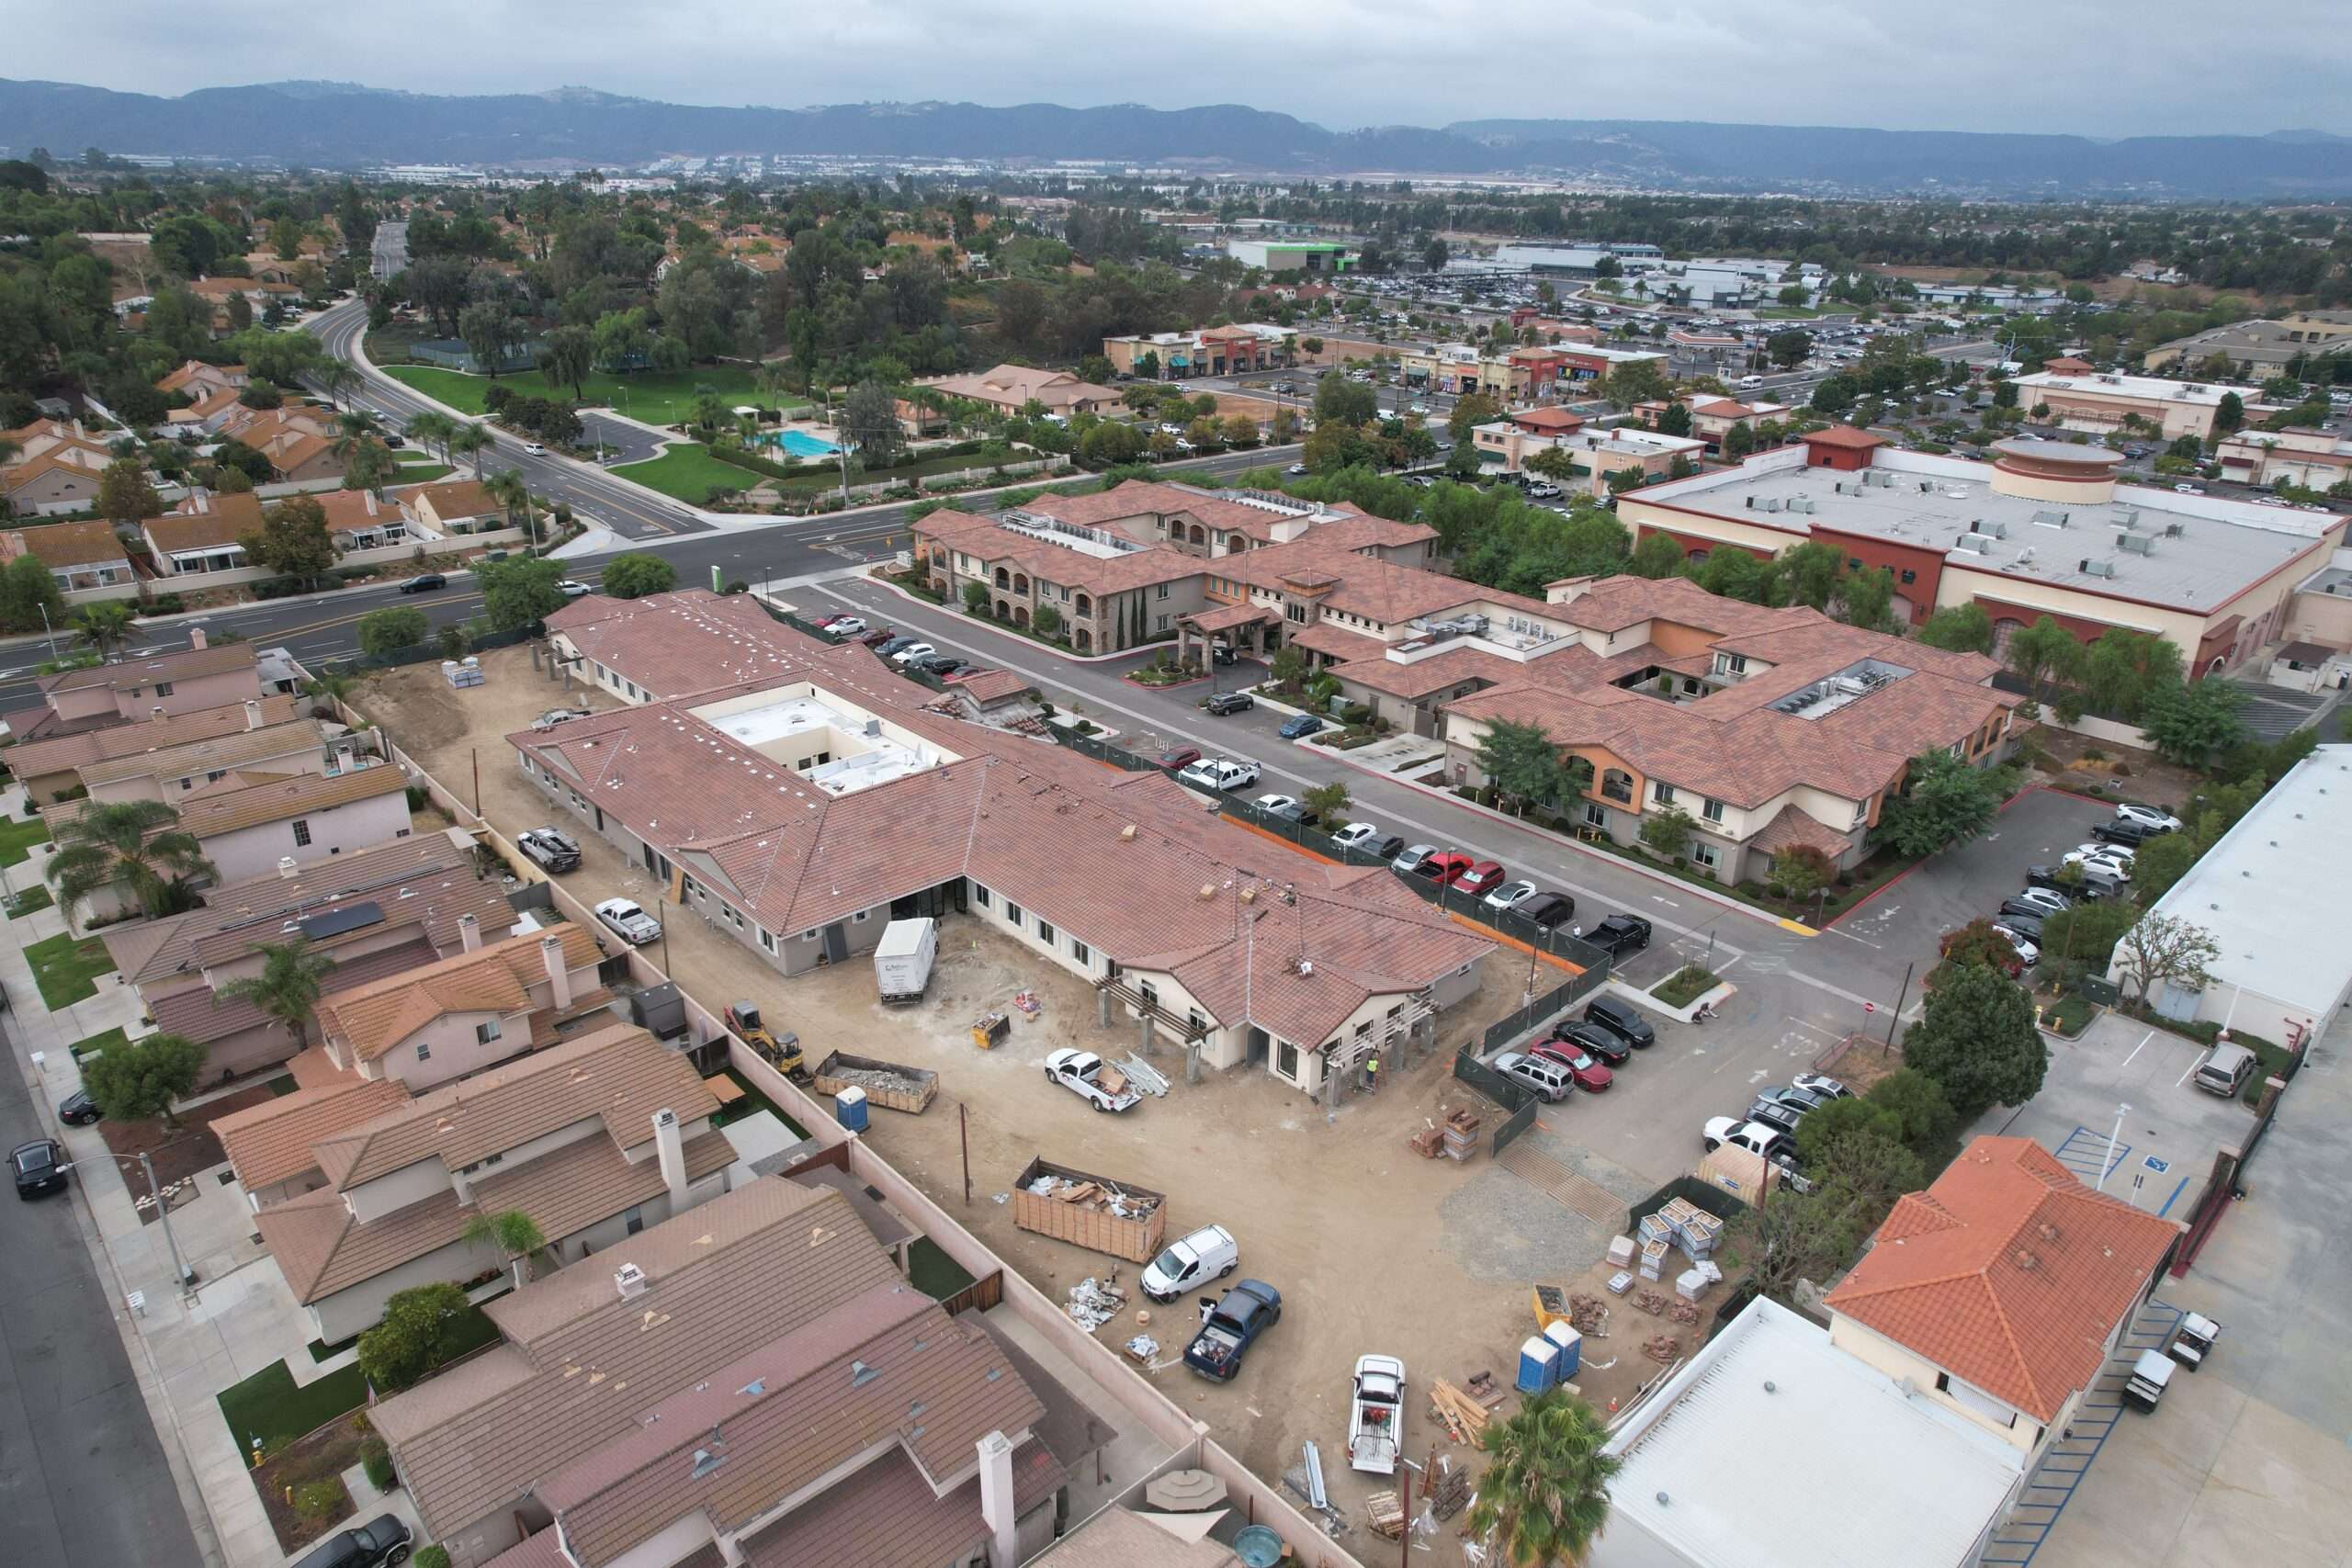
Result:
pixel 902 959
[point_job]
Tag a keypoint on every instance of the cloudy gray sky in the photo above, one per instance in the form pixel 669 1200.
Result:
pixel 2095 67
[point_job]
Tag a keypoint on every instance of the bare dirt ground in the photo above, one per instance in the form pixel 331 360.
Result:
pixel 2124 770
pixel 437 725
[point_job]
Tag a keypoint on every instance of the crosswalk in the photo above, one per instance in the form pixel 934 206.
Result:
pixel 2051 1485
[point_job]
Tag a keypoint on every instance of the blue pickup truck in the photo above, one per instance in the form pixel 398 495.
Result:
pixel 1245 1311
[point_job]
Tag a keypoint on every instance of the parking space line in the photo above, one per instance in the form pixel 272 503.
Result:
pixel 2136 1049
pixel 2174 1199
pixel 2202 1057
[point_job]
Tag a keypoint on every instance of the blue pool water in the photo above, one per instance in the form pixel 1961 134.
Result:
pixel 799 445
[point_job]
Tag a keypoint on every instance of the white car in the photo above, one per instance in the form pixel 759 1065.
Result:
pixel 2107 866
pixel 1753 1136
pixel 2098 850
pixel 848 626
pixel 1295 470
pixel 2043 899
pixel 2190 490
pixel 632 924
pixel 1209 1253
pixel 1086 1075
pixel 2154 818
pixel 1220 772
pixel 2029 951
pixel 912 653
pixel 1356 834
pixel 1825 1087
pixel 534 449
pixel 571 590
pixel 1276 803
pixel 1509 893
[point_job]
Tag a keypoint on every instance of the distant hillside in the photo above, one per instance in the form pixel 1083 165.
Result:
pixel 340 125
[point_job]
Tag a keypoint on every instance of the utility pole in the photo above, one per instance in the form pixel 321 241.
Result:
pixel 2108 1164
pixel 1900 996
pixel 963 1136
pixel 181 1274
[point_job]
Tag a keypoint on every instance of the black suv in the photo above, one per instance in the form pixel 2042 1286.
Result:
pixel 40 1166
pixel 1620 934
pixel 1226 703
pixel 2124 832
pixel 1603 1044
pixel 1622 1018
pixel 1549 912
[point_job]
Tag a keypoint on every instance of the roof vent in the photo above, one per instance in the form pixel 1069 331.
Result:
pixel 2096 568
pixel 1208 891
pixel 710 1459
pixel 1127 834
pixel 860 1374
pixel 1771 1387
pixel 2049 1231
pixel 2027 1260
pixel 2135 544
pixel 629 1279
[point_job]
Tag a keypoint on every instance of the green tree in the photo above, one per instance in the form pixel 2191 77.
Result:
pixel 1978 1040
pixel 2045 654
pixel 2229 415
pixel 124 494
pixel 1788 1239
pixel 1866 599
pixel 385 632
pixel 1338 400
pixel 2123 668
pixel 512 494
pixel 1288 668
pixel 2161 950
pixel 1667 834
pixel 1841 1119
pixel 27 589
pixel 1544 1496
pixel 134 842
pixel 1675 420
pixel 1788 347
pixel 1944 802
pixel 492 333
pixel 1471 412
pixel 1657 555
pixel 1959 629
pixel 1239 431
pixel 292 977
pixel 519 591
pixel 1047 622
pixel 1739 440
pixel 1330 802
pixel 370 466
pixel 293 540
pixel 422 1327
pixel 638 573
pixel 1635 381
pixel 1801 871
pixel 469 442
pixel 139 1079
pixel 568 357
pixel 512 1232
pixel 431 430
pixel 104 629
pixel 870 420
pixel 1519 761
pixel 976 597
pixel 1925 1119
pixel 2081 937
pixel 2192 722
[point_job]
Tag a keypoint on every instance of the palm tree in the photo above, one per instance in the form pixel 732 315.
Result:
pixel 1545 1498
pixel 134 841
pixel 353 429
pixel 468 441
pixel 288 986
pixel 511 491
pixel 335 377
pixel 431 430
pixel 104 627
pixel 514 1232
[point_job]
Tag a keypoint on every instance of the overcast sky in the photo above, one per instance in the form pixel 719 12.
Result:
pixel 2096 67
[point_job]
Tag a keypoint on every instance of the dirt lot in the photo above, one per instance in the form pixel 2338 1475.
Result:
pixel 1373 1248
pixel 178 1152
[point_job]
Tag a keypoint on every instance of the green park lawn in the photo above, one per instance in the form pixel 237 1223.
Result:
pixel 18 837
pixel 656 396
pixel 67 970
pixel 421 473
pixel 688 471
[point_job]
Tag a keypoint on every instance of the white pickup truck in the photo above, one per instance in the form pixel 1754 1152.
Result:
pixel 1091 1079
pixel 1377 1418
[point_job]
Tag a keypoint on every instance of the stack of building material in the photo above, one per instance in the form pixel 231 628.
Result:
pixel 1463 1418
pixel 1093 1302
pixel 468 673
pixel 1429 1142
pixel 1653 1264
pixel 1460 1134
pixel 1696 1232
pixel 1384 1514
pixel 1143 1076
pixel 1449 1487
pixel 1696 1280
pixel 1621 1252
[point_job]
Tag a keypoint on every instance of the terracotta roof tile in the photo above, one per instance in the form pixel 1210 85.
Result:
pixel 267 798
pixel 236 748
pixel 590 1179
pixel 322 1248
pixel 34 759
pixel 269 1143
pixel 200 1014
pixel 496 977
pixel 73 544
pixel 145 670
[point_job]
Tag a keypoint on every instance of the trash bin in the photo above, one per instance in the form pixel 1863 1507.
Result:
pixel 849 1109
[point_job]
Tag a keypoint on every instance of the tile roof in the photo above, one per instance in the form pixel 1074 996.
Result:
pixel 457 498
pixel 1845 437
pixel 321 1247
pixel 181 664
pixel 73 544
pixel 886 1515
pixel 496 977
pixel 219 753
pixel 33 759
pixel 229 805
pixel 1792 827
pixel 620 1076
pixel 590 1179
pixel 201 1014
pixel 984 537
pixel 268 1142
pixel 2008 1272
pixel 206 522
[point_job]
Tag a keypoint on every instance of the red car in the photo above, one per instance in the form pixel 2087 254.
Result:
pixel 1444 867
pixel 1480 879
pixel 1176 759
pixel 1589 1074
pixel 828 620
pixel 876 637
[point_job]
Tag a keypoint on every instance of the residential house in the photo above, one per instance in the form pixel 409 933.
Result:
pixel 198 381
pixel 1713 419
pixel 2001 1291
pixel 79 555
pixel 96 696
pixel 203 532
pixel 357 520
pixel 753 1369
pixel 918 423
pixel 1010 388
pixel 299 439
pixel 59 477
pixel 172 774
pixel 272 1147
pixel 2256 351
pixel 595 1139
pixel 50 767
pixel 250 821
pixel 452 508
pixel 69 439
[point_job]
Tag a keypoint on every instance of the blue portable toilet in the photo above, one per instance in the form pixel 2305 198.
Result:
pixel 1539 1365
pixel 849 1109
pixel 1571 1347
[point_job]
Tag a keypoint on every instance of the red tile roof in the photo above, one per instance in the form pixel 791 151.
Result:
pixel 2009 1273
pixel 1844 436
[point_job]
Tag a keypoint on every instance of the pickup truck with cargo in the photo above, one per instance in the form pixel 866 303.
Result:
pixel 1233 1325
pixel 1377 1418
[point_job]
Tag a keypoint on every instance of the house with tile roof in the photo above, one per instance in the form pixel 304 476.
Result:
pixel 594 1139
pixel 1013 388
pixel 754 1383
pixel 50 766
pixel 452 507
pixel 135 689
pixel 172 772
pixel 203 532
pixel 488 1001
pixel 79 555
pixel 2001 1291
pixel 252 820
pixel 793 792
pixel 197 380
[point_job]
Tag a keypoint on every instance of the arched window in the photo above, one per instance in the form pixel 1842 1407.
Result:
pixel 1085 606
pixel 1618 786
pixel 1020 582
pixel 1004 578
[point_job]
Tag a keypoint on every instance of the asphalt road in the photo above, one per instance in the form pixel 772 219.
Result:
pixel 84 1483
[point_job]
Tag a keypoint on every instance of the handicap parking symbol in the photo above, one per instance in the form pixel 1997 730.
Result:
pixel 2159 1167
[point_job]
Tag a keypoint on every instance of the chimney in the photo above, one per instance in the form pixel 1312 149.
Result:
pixel 996 1500
pixel 288 866
pixel 559 975
pixel 629 1279
pixel 673 1149
pixel 253 713
pixel 195 636
pixel 470 932
pixel 368 499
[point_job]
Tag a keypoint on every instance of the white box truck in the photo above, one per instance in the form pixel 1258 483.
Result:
pixel 902 959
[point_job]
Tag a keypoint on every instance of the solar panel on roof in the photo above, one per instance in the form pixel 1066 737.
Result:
pixel 334 922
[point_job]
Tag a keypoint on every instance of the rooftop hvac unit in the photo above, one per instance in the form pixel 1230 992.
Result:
pixel 1927 487
pixel 2175 530
pixel 2047 519
pixel 2128 517
pixel 1839 486
pixel 1973 544
pixel 2136 544
pixel 1773 504
pixel 2097 568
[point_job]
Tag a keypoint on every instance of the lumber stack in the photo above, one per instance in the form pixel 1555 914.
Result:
pixel 1384 1514
pixel 1462 1415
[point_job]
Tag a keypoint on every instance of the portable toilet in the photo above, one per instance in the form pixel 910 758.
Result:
pixel 1571 1346
pixel 849 1109
pixel 1539 1365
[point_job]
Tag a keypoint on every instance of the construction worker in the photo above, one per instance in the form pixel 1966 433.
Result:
pixel 1371 1072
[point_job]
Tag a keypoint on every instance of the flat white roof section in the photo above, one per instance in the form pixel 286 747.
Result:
pixel 1723 1467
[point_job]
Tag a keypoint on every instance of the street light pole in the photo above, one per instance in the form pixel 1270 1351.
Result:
pixel 49 632
pixel 2108 1163
pixel 180 1271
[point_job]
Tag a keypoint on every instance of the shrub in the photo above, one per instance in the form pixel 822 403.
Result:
pixel 376 1459
pixel 431 1557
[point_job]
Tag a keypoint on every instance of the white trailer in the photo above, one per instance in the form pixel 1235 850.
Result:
pixel 902 959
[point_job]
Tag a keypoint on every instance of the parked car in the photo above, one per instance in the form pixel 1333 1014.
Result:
pixel 2078 888
pixel 1209 1253
pixel 554 717
pixel 912 653
pixel 1517 891
pixel 1299 725
pixel 1233 1325
pixel 876 637
pixel 2040 902
pixel 1547 1078
pixel 1768 1142
pixel 1822 1086
pixel 891 648
pixel 1479 879
pixel 846 625
pixel 1376 1415
pixel 2029 951
pixel 1090 1079
pixel 1276 804
pixel 1594 1041
pixel 1226 703
pixel 550 849
pixel 2025 925
pixel 2123 831
pixel 1409 863
pixel 534 448
pixel 1781 1118
pixel 40 1166
pixel 1584 1070
pixel 425 583
pixel 571 590
pixel 941 664
pixel 1445 867
pixel 632 924
pixel 1176 759
pixel 2154 818
pixel 1620 1018
pixel 1549 912
pixel 1221 773
pixel 2100 849
pixel 1620 934
pixel 78 1110
pixel 382 1543
pixel 1796 1097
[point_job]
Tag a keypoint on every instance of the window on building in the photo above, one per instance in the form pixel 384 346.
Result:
pixel 1149 992
pixel 1162 593
pixel 162 688
pixel 636 1220
pixel 1013 914
pixel 1711 810
pixel 1045 933
pixel 1083 954
pixel 1665 794
pixel 980 896
pixel 486 1032
pixel 1294 611
pixel 301 831
pixel 1910 576
pixel 1286 1059
pixel 1705 854
pixel 1162 626
pixel 423 1052
pixel 808 936
pixel 861 916
pixel 1594 815
pixel 767 939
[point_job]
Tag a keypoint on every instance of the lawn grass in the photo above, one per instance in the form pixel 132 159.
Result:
pixel 67 970
pixel 1685 985
pixel 933 1272
pixel 422 473
pixel 96 1043
pixel 807 484
pixel 37 897
pixel 18 838
pixel 657 397
pixel 2068 1016
pixel 270 1407
pixel 689 472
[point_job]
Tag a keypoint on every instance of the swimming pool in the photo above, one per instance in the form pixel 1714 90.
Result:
pixel 798 444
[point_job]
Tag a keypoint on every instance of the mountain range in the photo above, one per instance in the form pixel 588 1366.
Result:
pixel 339 125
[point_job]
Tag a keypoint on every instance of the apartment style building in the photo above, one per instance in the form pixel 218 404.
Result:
pixel 2047 528
pixel 799 796
pixel 1205 351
